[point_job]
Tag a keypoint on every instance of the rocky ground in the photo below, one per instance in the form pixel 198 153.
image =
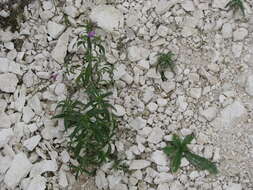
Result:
pixel 211 93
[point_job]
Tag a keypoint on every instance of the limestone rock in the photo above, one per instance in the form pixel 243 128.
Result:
pixel 188 5
pixel 227 30
pixel 220 3
pixel 43 166
pixel 8 82
pixel 156 135
pixel 63 182
pixel 249 85
pixel 240 34
pixel 107 17
pixel 210 113
pixel 5 136
pixel 138 123
pixel 54 29
pixel 234 186
pixel 139 164
pixel 120 111
pixel 159 158
pixel 32 142
pixel 100 180
pixel 60 50
pixel 5 121
pixel 195 93
pixel 20 167
pixel 137 53
pixel 37 183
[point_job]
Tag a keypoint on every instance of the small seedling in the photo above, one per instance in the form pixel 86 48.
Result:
pixel 164 62
pixel 235 5
pixel 178 149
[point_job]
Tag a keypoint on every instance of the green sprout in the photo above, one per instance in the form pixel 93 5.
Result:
pixel 178 149
pixel 164 62
pixel 235 5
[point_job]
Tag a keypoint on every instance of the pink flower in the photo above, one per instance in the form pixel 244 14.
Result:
pixel 91 34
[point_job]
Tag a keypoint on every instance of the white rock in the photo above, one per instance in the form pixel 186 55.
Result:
pixel 28 114
pixel 193 175
pixel 43 166
pixel 139 164
pixel 50 132
pixel 195 93
pixel 234 186
pixel 35 104
pixel 71 11
pixel 119 72
pixel 153 74
pixel 137 53
pixel 227 30
pixel 152 107
pixel 4 65
pixel 249 85
pixel 120 186
pixel 163 186
pixel 65 156
pixel 230 114
pixel 107 17
pixel 163 5
pixel 60 89
pixel 100 180
pixel 5 164
pixel 168 86
pixel 159 157
pixel 5 121
pixel 15 68
pixel 138 123
pixel 37 183
pixel 143 64
pixel 3 105
pixel 5 136
pixel 54 29
pixel 162 31
pixel 63 182
pixel 237 49
pixel 182 104
pixel 8 82
pixel 210 113
pixel 240 34
pixel 220 3
pixel 156 135
pixel 120 111
pixel 113 180
pixel 188 5
pixel 60 50
pixel 6 36
pixel 163 177
pixel 20 167
pixel 161 102
pixel 127 78
pixel 32 142
pixel 148 94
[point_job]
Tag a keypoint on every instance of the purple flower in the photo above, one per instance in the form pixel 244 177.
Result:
pixel 91 34
pixel 54 76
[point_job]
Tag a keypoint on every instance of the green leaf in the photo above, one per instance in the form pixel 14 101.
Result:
pixel 176 141
pixel 176 161
pixel 201 162
pixel 187 140
pixel 169 150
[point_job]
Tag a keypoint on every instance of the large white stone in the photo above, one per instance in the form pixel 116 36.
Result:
pixel 32 142
pixel 195 93
pixel 139 164
pixel 137 53
pixel 163 186
pixel 227 30
pixel 54 29
pixel 100 180
pixel 120 111
pixel 28 114
pixel 20 167
pixel 71 11
pixel 8 82
pixel 210 113
pixel 163 5
pixel 162 31
pixel 220 3
pixel 5 136
pixel 63 181
pixel 61 47
pixel 107 17
pixel 5 121
pixel 234 186
pixel 249 85
pixel 43 166
pixel 4 65
pixel 37 183
pixel 240 34
pixel 5 163
pixel 159 157
pixel 138 123
pixel 156 135
pixel 188 5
